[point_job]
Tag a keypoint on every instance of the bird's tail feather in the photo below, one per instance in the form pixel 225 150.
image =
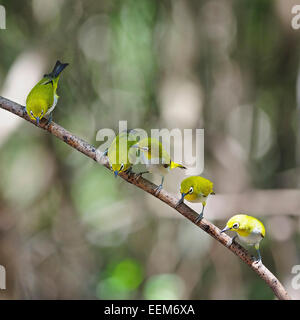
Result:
pixel 176 165
pixel 58 68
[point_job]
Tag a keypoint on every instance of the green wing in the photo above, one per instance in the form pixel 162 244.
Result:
pixel 41 95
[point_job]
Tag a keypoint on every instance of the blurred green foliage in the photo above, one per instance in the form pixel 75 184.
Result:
pixel 120 280
pixel 69 229
pixel 164 287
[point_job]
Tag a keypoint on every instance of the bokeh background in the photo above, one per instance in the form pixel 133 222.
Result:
pixel 68 228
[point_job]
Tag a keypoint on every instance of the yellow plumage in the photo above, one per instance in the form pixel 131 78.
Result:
pixel 196 189
pixel 156 158
pixel 119 152
pixel 42 98
pixel 249 230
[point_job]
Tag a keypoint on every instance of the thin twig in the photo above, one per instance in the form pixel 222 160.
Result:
pixel 90 151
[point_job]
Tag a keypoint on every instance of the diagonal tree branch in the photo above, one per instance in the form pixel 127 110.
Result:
pixel 90 151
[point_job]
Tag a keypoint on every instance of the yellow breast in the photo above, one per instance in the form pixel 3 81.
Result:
pixel 243 233
pixel 194 198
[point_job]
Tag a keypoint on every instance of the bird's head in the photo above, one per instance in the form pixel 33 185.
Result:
pixel 151 148
pixel 236 223
pixel 119 167
pixel 143 145
pixel 187 190
pixel 35 114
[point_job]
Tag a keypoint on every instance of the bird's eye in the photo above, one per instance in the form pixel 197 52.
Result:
pixel 191 190
pixel 235 226
pixel 121 167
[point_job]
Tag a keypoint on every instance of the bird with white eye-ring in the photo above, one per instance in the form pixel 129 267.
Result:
pixel 248 229
pixel 196 189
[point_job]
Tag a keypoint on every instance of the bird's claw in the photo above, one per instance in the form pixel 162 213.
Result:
pixel 158 189
pixel 49 120
pixel 129 171
pixel 139 175
pixel 258 262
pixel 199 218
pixel 178 204
pixel 231 241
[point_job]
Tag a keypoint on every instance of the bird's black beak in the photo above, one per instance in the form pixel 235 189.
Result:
pixel 225 229
pixel 37 121
pixel 116 172
pixel 181 199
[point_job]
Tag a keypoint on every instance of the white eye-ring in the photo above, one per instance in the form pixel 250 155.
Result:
pixel 235 226
pixel 191 190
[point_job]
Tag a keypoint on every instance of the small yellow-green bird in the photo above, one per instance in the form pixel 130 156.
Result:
pixel 156 158
pixel 119 152
pixel 196 189
pixel 249 230
pixel 42 98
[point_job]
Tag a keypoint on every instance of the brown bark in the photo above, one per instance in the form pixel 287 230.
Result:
pixel 90 151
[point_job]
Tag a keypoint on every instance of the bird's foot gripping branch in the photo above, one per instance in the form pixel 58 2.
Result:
pixel 90 151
